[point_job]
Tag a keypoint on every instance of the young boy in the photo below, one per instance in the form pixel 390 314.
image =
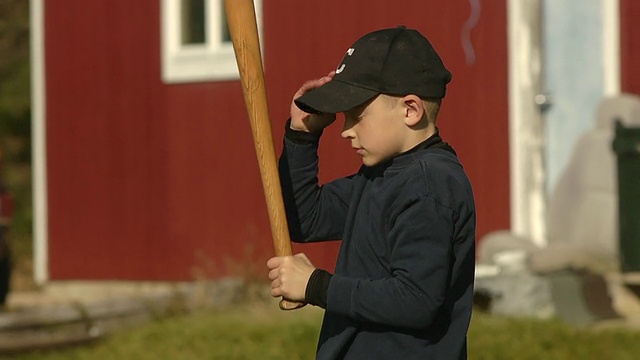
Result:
pixel 403 283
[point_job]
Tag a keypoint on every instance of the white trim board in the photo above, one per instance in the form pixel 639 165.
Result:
pixel 611 46
pixel 39 143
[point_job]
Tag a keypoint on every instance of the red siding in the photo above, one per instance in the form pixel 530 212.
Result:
pixel 630 46
pixel 146 181
pixel 154 181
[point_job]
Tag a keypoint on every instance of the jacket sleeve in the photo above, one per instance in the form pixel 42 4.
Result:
pixel 420 261
pixel 314 212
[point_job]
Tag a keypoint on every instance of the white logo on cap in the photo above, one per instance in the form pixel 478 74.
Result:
pixel 341 67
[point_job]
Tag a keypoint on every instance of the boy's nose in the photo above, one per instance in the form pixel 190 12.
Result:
pixel 347 132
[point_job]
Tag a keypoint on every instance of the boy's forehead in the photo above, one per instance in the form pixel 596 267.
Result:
pixel 360 108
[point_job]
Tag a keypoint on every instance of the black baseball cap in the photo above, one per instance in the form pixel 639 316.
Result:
pixel 395 61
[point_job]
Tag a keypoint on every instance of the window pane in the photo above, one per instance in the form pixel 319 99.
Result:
pixel 226 36
pixel 193 22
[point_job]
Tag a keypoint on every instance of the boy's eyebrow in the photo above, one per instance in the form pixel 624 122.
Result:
pixel 353 112
pixel 358 110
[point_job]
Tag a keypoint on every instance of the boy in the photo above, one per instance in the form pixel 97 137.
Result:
pixel 403 282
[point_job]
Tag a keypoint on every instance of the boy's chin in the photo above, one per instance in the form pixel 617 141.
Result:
pixel 370 162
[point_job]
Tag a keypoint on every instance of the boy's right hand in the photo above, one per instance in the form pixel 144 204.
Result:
pixel 303 121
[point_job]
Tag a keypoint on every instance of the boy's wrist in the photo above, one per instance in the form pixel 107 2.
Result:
pixel 300 136
pixel 318 288
pixel 298 126
pixel 311 123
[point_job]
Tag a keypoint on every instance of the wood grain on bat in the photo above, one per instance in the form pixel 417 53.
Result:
pixel 244 35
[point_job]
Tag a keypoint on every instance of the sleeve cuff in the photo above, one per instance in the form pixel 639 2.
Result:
pixel 300 137
pixel 317 288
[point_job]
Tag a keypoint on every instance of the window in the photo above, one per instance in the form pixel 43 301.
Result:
pixel 196 45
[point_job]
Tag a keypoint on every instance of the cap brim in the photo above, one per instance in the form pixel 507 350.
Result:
pixel 334 97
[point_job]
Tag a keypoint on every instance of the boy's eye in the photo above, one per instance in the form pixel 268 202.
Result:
pixel 353 117
pixel 358 116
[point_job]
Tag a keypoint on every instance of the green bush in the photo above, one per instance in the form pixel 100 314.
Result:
pixel 15 120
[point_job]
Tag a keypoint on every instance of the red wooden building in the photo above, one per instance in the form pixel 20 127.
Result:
pixel 145 167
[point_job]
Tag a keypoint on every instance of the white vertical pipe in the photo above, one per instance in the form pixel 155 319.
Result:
pixel 526 131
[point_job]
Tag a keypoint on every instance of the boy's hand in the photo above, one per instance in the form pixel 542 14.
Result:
pixel 303 121
pixel 289 276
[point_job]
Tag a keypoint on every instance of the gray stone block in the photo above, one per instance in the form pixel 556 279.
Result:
pixel 520 294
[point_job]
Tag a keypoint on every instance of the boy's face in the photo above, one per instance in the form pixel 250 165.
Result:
pixel 377 129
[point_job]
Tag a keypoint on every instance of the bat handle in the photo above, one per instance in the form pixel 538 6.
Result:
pixel 290 305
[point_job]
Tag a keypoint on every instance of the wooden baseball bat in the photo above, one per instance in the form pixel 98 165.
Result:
pixel 241 18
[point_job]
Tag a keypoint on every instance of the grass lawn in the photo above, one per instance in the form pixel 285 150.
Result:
pixel 263 332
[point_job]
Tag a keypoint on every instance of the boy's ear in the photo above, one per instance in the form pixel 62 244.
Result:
pixel 413 109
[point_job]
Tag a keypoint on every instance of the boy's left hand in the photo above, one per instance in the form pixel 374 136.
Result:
pixel 289 276
pixel 303 121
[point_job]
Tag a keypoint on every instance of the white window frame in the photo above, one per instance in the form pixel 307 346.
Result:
pixel 212 61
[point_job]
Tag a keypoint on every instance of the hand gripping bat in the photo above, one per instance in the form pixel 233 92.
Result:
pixel 244 35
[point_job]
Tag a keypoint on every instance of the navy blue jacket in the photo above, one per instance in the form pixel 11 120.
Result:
pixel 403 283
